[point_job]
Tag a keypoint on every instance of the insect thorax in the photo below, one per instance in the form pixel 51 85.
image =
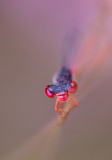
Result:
pixel 64 75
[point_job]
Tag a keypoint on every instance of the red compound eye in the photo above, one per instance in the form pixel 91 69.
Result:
pixel 49 92
pixel 73 87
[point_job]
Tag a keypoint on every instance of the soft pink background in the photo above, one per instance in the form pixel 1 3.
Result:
pixel 31 37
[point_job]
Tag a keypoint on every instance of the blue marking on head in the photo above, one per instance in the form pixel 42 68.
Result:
pixel 60 87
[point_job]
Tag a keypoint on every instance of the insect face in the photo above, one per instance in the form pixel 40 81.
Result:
pixel 63 96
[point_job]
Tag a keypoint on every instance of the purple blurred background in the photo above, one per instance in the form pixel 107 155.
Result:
pixel 31 37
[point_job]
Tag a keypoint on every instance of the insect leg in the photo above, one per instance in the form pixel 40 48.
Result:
pixel 75 100
pixel 76 104
pixel 57 106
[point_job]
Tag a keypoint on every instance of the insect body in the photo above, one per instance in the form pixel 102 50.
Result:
pixel 62 88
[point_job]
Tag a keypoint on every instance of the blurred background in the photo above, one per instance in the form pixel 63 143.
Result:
pixel 31 40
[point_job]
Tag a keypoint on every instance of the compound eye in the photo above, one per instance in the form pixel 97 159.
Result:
pixel 48 92
pixel 73 87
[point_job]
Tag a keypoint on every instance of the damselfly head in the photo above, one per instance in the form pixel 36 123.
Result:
pixel 63 96
pixel 62 89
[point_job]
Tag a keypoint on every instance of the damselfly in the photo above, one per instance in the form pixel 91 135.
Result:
pixel 94 51
pixel 64 86
pixel 91 61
